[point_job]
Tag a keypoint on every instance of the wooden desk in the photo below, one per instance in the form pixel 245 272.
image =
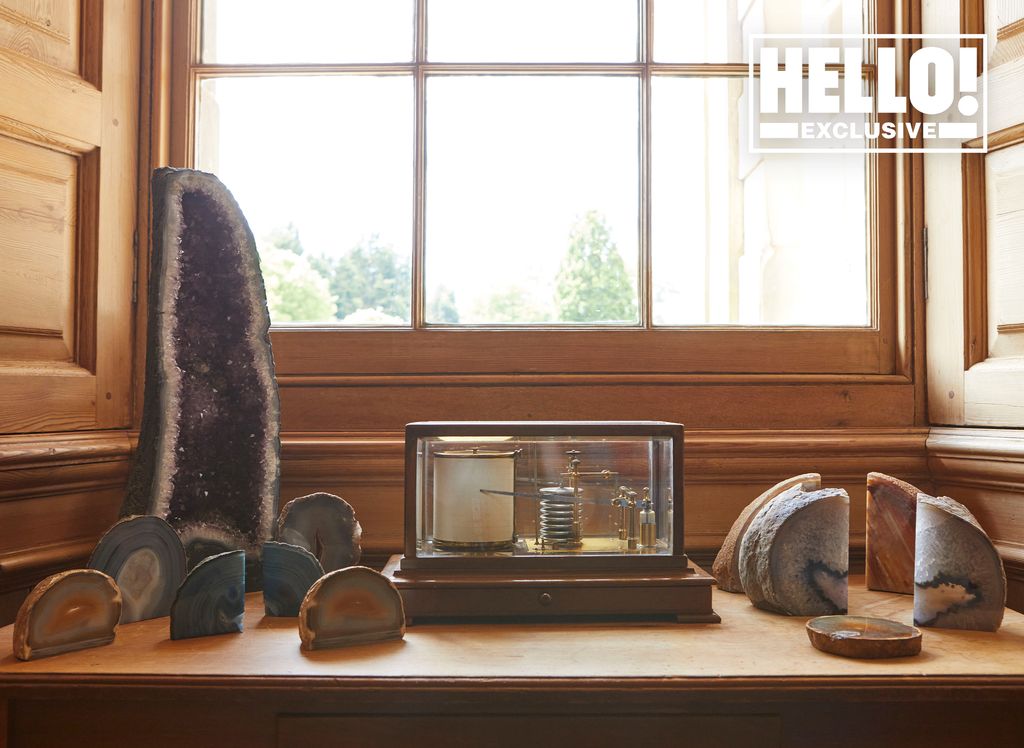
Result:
pixel 753 680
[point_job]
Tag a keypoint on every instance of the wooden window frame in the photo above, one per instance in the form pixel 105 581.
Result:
pixel 881 353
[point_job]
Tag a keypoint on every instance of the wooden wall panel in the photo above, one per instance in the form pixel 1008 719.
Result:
pixel 68 143
pixel 366 406
pixel 38 223
pixel 58 493
pixel 69 89
pixel 44 30
pixel 1004 195
pixel 975 309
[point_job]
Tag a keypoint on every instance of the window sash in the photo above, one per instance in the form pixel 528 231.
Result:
pixel 642 349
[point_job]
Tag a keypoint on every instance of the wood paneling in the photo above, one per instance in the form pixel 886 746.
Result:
pixel 1004 196
pixel 994 282
pixel 44 30
pixel 38 224
pixel 58 493
pixel 975 313
pixel 68 140
pixel 49 100
pixel 707 405
pixel 580 351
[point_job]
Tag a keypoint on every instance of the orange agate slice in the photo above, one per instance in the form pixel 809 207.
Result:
pixel 889 541
pixel 349 606
pixel 72 610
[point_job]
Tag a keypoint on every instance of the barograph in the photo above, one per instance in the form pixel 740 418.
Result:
pixel 554 519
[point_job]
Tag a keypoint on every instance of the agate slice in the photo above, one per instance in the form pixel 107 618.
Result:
pixel 146 559
pixel 726 569
pixel 794 558
pixel 326 526
pixel 351 606
pixel 72 610
pixel 211 600
pixel 889 542
pixel 209 446
pixel 864 638
pixel 959 582
pixel 288 573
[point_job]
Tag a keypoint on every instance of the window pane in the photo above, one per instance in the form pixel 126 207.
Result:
pixel 307 31
pixel 718 30
pixel 532 31
pixel 748 239
pixel 322 167
pixel 532 200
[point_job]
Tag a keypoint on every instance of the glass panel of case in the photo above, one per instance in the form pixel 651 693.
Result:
pixel 550 496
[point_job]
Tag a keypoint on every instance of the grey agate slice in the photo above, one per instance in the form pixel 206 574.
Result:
pixel 959 581
pixel 288 573
pixel 208 459
pixel 144 557
pixel 794 558
pixel 211 600
pixel 326 526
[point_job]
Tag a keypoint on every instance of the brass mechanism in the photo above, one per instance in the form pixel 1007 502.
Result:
pixel 648 522
pixel 560 509
pixel 628 517
pixel 638 526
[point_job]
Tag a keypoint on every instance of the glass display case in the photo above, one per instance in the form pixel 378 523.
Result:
pixel 592 512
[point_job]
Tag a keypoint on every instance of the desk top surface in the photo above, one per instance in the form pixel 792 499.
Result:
pixel 748 645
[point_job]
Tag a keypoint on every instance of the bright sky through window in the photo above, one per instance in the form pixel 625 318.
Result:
pixel 521 169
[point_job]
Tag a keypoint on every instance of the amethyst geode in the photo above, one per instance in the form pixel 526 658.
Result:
pixel 208 459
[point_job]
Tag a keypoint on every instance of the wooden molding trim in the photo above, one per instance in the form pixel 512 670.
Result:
pixel 1013 29
pixel 1004 138
pixel 575 380
pixel 23 451
pixel 28 566
pixel 975 260
pixel 33 466
pixel 978 456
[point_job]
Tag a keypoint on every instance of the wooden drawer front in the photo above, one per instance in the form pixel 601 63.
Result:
pixel 453 731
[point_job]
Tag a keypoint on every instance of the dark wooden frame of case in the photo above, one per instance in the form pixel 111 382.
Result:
pixel 550 586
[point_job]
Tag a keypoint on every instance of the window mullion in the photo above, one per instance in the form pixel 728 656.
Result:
pixel 644 254
pixel 418 302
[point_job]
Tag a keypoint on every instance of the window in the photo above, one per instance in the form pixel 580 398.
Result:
pixel 490 186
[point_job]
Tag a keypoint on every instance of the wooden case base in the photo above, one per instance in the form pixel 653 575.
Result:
pixel 684 595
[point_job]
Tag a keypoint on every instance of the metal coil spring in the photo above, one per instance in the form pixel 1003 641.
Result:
pixel 557 514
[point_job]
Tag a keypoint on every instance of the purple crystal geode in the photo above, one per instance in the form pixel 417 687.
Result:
pixel 208 459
